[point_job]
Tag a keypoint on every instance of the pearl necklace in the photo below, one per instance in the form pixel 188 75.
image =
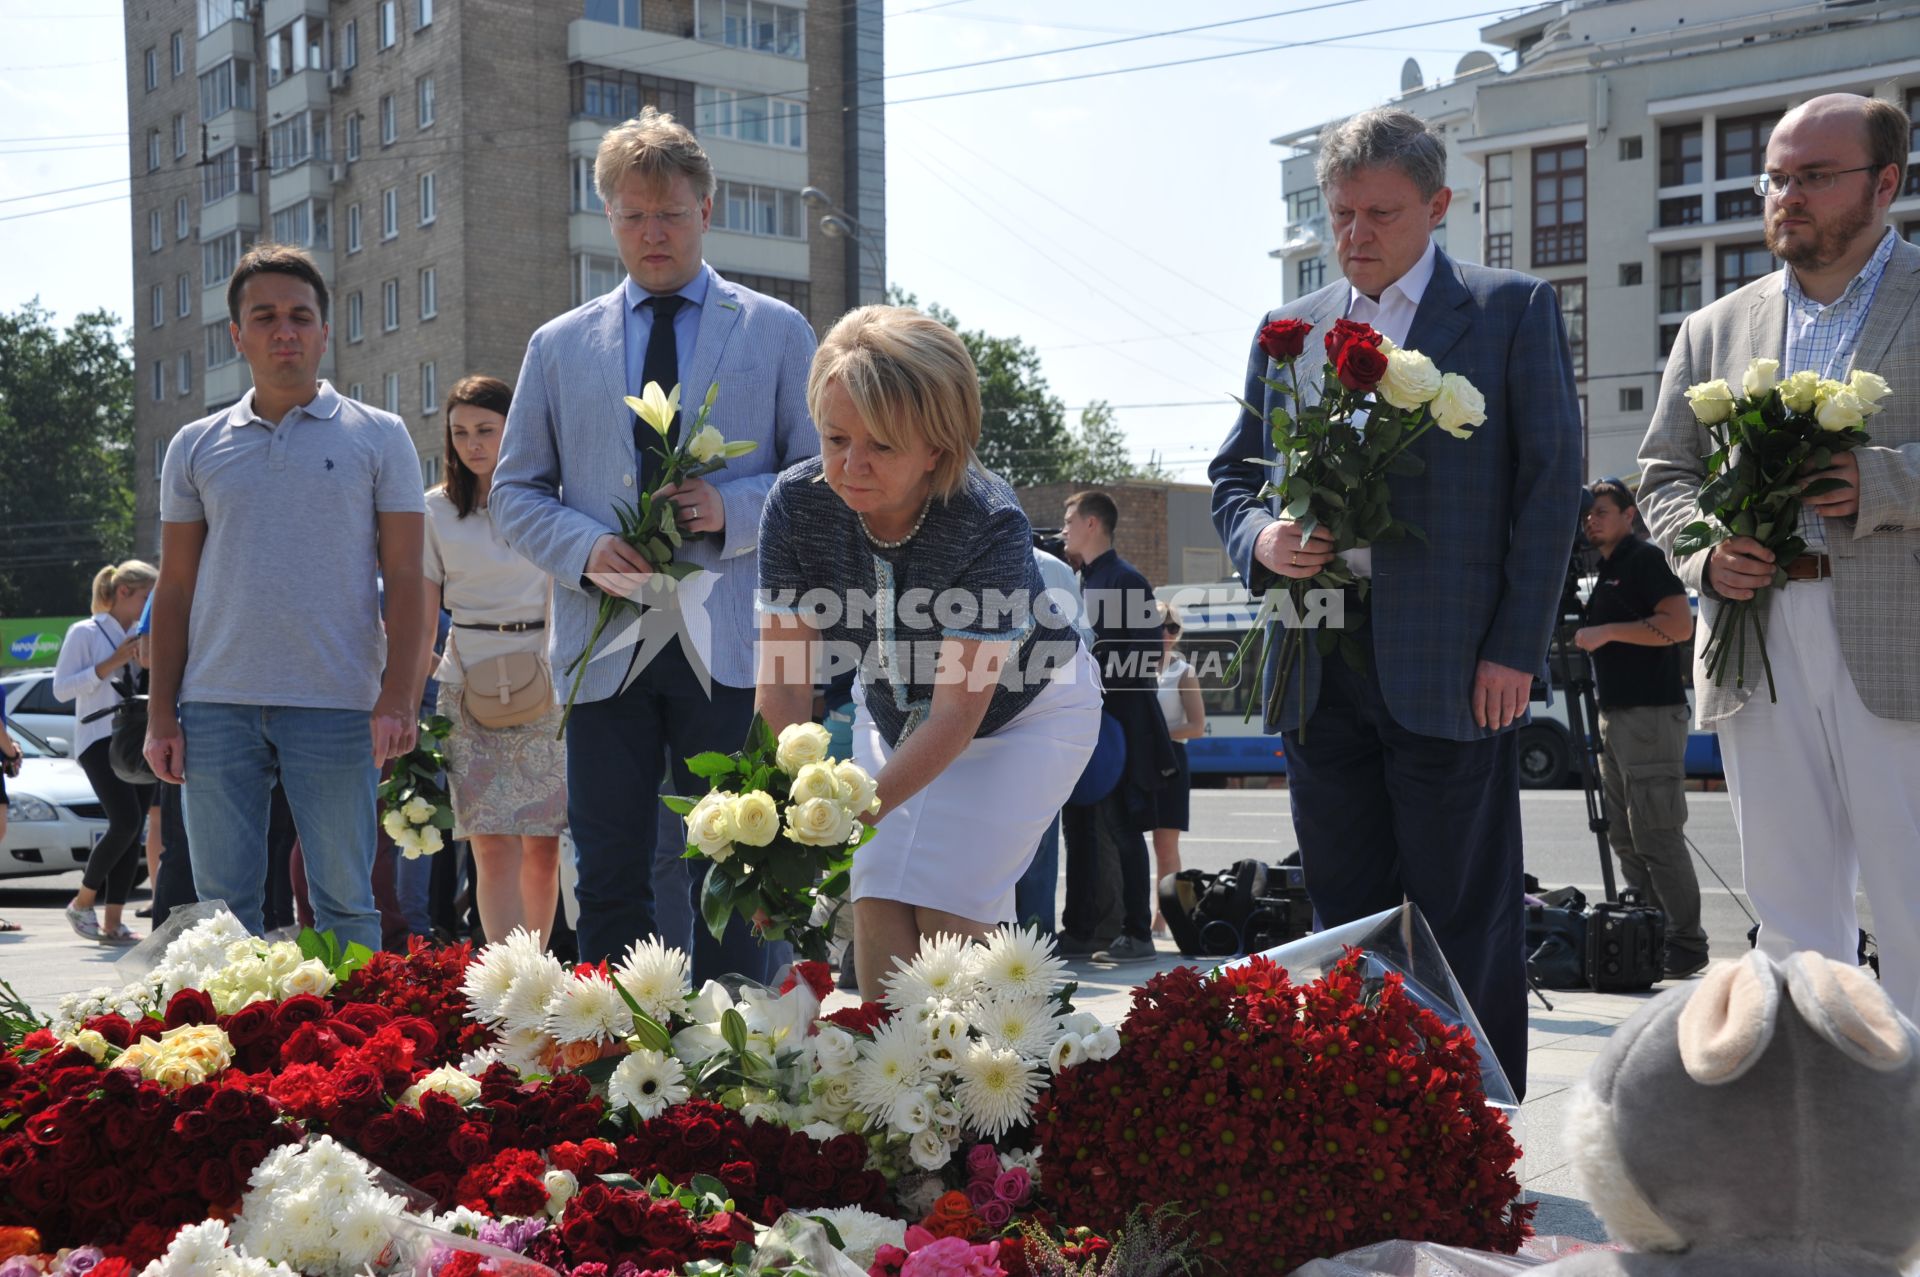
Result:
pixel 912 532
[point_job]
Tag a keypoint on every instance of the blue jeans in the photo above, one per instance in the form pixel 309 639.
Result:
pixel 1039 887
pixel 324 760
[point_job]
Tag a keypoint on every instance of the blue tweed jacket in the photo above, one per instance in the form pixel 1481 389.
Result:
pixel 1498 510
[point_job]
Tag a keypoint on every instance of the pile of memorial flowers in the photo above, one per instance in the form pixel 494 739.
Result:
pixel 239 1111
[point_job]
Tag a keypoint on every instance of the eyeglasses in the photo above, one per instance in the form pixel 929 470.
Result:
pixel 1810 182
pixel 636 219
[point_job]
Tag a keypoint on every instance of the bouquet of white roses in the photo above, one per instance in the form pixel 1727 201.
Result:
pixel 778 831
pixel 1766 440
pixel 416 810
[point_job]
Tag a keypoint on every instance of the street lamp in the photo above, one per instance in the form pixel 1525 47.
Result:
pixel 837 223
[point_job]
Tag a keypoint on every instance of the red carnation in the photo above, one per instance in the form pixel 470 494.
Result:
pixel 1284 339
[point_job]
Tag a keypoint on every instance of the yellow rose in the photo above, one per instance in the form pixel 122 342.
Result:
pixel 710 824
pixel 706 444
pixel 395 823
pixel 1869 388
pixel 1841 410
pixel 1712 401
pixel 1459 407
pixel 89 1041
pixel 311 976
pixel 1410 380
pixel 819 822
pixel 862 793
pixel 815 780
pixel 800 744
pixel 1797 392
pixel 756 819
pixel 1761 376
pixel 418 811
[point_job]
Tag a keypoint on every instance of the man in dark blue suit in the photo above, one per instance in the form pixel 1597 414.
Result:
pixel 1405 785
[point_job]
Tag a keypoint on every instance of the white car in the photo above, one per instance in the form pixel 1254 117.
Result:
pixel 53 817
pixel 30 703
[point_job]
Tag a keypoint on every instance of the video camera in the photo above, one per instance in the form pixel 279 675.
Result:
pixel 1248 908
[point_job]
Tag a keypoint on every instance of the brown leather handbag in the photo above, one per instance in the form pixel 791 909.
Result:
pixel 507 691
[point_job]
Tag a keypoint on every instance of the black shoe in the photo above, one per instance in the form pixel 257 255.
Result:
pixel 1072 946
pixel 1680 967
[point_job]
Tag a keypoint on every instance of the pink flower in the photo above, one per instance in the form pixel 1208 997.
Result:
pixel 980 1192
pixel 954 1257
pixel 996 1213
pixel 983 1162
pixel 887 1261
pixel 1013 1186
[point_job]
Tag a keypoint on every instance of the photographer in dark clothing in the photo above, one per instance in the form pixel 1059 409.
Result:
pixel 1637 619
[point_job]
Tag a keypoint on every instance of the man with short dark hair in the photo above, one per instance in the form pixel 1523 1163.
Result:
pixel 278 515
pixel 1126 646
pixel 1405 784
pixel 1636 619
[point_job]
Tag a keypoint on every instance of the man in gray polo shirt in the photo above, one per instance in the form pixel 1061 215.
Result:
pixel 277 515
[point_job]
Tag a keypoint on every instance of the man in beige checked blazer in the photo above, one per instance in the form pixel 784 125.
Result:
pixel 1825 782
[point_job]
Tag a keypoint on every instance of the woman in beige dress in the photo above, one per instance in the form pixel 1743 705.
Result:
pixel 509 783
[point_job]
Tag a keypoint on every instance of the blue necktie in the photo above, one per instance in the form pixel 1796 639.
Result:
pixel 662 365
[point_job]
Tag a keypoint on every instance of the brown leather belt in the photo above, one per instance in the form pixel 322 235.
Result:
pixel 1810 567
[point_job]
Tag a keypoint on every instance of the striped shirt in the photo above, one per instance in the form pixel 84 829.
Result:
pixel 1822 339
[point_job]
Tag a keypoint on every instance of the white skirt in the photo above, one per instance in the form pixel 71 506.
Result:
pixel 961 843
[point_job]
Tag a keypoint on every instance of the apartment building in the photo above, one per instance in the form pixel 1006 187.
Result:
pixel 1616 159
pixel 436 158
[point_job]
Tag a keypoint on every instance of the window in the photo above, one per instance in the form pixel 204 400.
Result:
pixel 1632 399
pixel 218 258
pixel 357 390
pixel 423 14
pixel 751 24
pixel 1560 204
pixel 215 14
pixel 585 198
pixel 1913 143
pixel 1743 145
pixel 179 136
pixel 389 17
pixel 157 308
pixel 619 13
pixel 308 223
pixel 1309 274
pixel 226 87
pixel 751 117
pixel 1680 156
pixel 424 94
pixel 1629 274
pixel 1680 281
pixel 429 206
pixel 353 228
pixel 1573 310
pixel 159 380
pixel 392 398
pixel 294 141
pixel 301 45
pixel 1499 249
pixel 186 372
pixel 389 212
pixel 1741 264
pixel 758 210
pixel 182 218
pixel 183 295
pixel 1734 206
pixel 596 277
pixel 430 471
pixel 153 149
pixel 356 317
pixel 220 351
pixel 156 232
pixel 1630 148
pixel 1681 210
pixel 603 93
pixel 1911 231
pixel 353 137
pixel 350 45
pixel 429 293
pixel 177 47
pixel 429 387
pixel 153 69
pixel 390 305
pixel 389 121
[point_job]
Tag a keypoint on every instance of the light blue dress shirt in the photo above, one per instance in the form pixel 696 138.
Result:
pixel 686 326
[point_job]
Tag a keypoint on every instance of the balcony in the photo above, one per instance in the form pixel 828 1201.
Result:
pixel 225 384
pixel 649 51
pixel 232 39
pixel 235 212
pixel 1302 238
pixel 304 90
pixel 281 12
pixel 308 180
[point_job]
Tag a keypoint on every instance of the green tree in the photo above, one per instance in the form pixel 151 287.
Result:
pixel 66 457
pixel 1100 450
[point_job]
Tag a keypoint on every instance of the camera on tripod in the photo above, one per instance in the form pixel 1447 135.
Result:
pixel 1248 908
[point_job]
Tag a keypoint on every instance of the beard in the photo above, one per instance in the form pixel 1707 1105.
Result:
pixel 1830 239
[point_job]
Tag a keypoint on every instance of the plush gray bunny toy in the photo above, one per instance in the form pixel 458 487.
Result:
pixel 1764 1121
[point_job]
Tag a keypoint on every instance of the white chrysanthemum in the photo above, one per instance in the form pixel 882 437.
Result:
pixel 589 1009
pixel 524 1050
pixel 863 1232
pixel 361 1233
pixel 1028 1024
pixel 941 969
pixel 461 1221
pixel 648 1082
pixel 893 1064
pixel 493 970
pixel 1018 962
pixel 531 995
pixel 1070 1050
pixel 997 1089
pixel 657 977
pixel 195 1248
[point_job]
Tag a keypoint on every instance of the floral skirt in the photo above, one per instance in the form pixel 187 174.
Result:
pixel 505 780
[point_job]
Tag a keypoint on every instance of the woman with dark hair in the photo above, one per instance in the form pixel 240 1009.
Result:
pixel 508 782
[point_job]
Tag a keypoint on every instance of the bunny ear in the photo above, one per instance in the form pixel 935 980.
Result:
pixel 1849 1009
pixel 1729 1020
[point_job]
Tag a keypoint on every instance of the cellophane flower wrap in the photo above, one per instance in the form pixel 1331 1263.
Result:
pixel 1767 438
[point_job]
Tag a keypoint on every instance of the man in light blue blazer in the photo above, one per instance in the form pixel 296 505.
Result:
pixel 1404 779
pixel 573 450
